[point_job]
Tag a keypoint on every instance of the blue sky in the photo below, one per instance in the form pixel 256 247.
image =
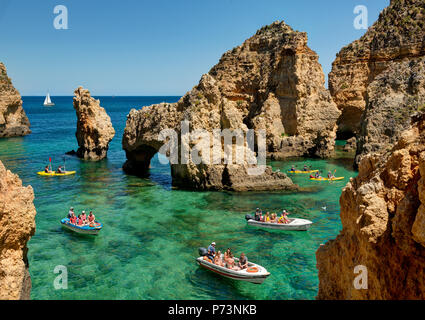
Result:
pixel 162 47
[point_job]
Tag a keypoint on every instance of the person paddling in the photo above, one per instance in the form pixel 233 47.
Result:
pixel 60 170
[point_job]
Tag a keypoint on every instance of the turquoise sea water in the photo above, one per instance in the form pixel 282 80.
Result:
pixel 152 232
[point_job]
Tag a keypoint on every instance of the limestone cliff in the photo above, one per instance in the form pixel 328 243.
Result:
pixel 394 95
pixel 17 225
pixel 13 120
pixel 383 218
pixel 94 127
pixel 272 82
pixel 399 33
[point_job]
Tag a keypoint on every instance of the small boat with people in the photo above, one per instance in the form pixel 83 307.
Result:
pixel 252 272
pixel 85 229
pixel 82 224
pixel 272 221
pixel 293 224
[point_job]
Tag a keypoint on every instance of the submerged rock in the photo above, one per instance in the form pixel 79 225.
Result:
pixel 399 33
pixel 13 120
pixel 94 127
pixel 383 219
pixel 272 82
pixel 17 225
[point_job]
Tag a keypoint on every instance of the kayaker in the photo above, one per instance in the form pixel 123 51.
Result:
pixel 46 169
pixel 211 251
pixel 317 175
pixel 60 170
pixel 243 261
pixel 330 175
pixel 305 168
pixel 293 169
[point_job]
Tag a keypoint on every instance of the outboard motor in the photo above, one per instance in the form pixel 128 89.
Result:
pixel 202 252
pixel 249 217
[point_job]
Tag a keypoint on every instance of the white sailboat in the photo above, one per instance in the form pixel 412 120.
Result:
pixel 47 101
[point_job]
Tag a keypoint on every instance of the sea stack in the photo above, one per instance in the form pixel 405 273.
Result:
pixel 272 82
pixel 383 219
pixel 396 37
pixel 17 225
pixel 13 120
pixel 94 127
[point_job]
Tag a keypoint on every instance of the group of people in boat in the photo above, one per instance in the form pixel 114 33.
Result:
pixel 227 259
pixel 59 170
pixel 82 219
pixel 271 218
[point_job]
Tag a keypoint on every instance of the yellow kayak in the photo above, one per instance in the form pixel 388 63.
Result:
pixel 299 171
pixel 326 179
pixel 67 173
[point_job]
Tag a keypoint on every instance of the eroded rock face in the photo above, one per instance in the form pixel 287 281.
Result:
pixel 17 225
pixel 399 33
pixel 272 82
pixel 394 95
pixel 94 127
pixel 13 120
pixel 383 218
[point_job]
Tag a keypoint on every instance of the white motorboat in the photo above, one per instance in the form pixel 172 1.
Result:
pixel 254 273
pixel 293 225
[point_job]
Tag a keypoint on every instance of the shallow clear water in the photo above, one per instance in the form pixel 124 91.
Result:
pixel 152 232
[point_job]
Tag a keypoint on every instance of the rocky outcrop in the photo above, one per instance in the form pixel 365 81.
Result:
pixel 17 225
pixel 399 33
pixel 383 219
pixel 272 82
pixel 13 120
pixel 394 95
pixel 94 127
pixel 351 145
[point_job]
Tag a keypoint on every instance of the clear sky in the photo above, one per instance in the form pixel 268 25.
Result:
pixel 161 47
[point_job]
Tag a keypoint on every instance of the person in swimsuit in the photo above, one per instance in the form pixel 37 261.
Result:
pixel 267 217
pixel 91 218
pixel 293 169
pixel 60 170
pixel 83 216
pixel 217 259
pixel 305 168
pixel 273 218
pixel 73 219
pixel 46 169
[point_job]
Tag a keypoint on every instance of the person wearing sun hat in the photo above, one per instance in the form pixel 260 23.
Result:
pixel 211 251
